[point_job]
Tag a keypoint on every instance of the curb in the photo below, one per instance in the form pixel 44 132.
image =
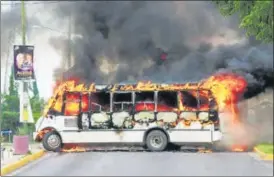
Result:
pixel 22 162
pixel 263 155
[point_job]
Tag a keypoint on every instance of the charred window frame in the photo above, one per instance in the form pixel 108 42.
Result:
pixel 203 99
pixel 198 99
pixel 122 101
pixel 211 109
pixel 167 98
pixel 100 101
pixel 145 97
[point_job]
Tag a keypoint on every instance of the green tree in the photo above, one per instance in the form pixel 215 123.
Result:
pixel 37 105
pixel 256 16
pixel 10 107
pixel 10 103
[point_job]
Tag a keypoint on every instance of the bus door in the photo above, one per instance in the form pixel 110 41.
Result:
pixel 167 105
pixel 122 110
pixel 144 109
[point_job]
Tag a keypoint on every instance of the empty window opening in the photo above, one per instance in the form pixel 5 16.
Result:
pixel 200 100
pixel 189 100
pixel 144 97
pixel 122 97
pixel 100 101
pixel 122 101
pixel 167 98
pixel 144 101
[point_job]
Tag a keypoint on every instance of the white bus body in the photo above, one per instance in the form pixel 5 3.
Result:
pixel 151 118
pixel 69 133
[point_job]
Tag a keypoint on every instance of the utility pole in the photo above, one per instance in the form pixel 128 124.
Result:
pixel 69 41
pixel 23 22
pixel 25 83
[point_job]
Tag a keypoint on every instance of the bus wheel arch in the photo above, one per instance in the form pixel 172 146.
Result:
pixel 156 134
pixel 41 133
pixel 52 141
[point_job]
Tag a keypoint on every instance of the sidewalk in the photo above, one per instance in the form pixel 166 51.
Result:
pixel 7 156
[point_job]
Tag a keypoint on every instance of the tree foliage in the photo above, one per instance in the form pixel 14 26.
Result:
pixel 37 105
pixel 10 107
pixel 10 103
pixel 256 16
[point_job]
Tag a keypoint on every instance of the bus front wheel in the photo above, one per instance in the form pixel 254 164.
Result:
pixel 52 141
pixel 156 140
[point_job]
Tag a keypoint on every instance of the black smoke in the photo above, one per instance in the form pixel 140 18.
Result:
pixel 11 27
pixel 128 36
pixel 10 24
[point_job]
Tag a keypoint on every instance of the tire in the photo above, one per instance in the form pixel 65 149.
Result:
pixel 156 140
pixel 52 141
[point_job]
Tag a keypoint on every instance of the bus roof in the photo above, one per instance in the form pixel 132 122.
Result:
pixel 144 86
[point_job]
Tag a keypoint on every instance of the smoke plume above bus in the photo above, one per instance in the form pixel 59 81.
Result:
pixel 120 42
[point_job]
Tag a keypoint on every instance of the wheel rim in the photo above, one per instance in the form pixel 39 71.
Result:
pixel 54 141
pixel 156 141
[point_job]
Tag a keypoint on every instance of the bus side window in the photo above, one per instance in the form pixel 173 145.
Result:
pixel 145 101
pixel 122 102
pixel 100 101
pixel 189 100
pixel 167 100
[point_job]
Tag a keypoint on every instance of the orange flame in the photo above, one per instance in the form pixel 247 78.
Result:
pixel 73 148
pixel 239 147
pixel 227 89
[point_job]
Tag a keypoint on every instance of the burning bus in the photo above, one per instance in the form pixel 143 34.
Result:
pixel 146 113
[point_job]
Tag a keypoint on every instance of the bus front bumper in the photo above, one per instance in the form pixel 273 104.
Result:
pixel 35 136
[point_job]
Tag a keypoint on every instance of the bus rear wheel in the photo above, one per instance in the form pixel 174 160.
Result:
pixel 52 141
pixel 156 140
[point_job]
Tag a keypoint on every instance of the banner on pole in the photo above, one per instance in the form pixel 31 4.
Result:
pixel 25 108
pixel 23 62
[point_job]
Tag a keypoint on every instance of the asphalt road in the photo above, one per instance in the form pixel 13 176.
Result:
pixel 147 164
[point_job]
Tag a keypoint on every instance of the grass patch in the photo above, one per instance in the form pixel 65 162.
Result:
pixel 265 148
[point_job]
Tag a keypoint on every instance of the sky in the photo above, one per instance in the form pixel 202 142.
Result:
pixel 46 59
